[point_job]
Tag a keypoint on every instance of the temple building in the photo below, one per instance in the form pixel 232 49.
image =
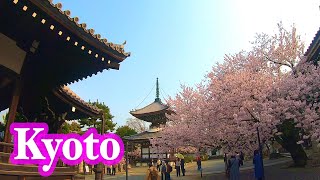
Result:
pixel 43 49
pixel 313 51
pixel 154 113
pixel 313 55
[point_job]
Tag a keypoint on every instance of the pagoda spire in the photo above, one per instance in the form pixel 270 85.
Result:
pixel 157 91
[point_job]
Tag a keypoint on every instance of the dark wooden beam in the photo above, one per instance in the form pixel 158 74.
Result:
pixel 12 111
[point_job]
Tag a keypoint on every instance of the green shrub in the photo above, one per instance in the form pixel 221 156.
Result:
pixel 188 158
pixel 216 157
pixel 204 157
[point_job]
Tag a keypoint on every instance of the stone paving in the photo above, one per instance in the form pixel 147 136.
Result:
pixel 214 169
pixel 275 172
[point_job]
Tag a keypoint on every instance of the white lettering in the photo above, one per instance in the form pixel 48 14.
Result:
pixel 89 147
pixel 52 152
pixel 115 152
pixel 66 149
pixel 22 144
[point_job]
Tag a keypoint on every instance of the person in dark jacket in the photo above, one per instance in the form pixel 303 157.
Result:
pixel 113 170
pixel 169 170
pixel 226 165
pixel 163 170
pixel 182 167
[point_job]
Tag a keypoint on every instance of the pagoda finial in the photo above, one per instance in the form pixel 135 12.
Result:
pixel 157 91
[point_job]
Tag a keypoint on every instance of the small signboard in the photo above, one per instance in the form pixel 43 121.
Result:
pixel 87 169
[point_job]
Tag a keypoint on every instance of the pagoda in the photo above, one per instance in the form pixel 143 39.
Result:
pixel 154 113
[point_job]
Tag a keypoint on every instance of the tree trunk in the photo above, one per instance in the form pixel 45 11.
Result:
pixel 288 140
pixel 297 153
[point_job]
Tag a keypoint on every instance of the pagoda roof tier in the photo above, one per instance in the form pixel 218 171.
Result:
pixel 157 107
pixel 154 112
pixel 144 136
pixel 313 51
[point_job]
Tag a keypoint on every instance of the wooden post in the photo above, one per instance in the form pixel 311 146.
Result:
pixel 127 160
pixel 141 151
pixel 12 111
pixel 99 167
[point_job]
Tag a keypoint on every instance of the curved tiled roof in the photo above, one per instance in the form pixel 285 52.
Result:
pixel 68 92
pixel 146 135
pixel 313 43
pixel 64 18
pixel 154 107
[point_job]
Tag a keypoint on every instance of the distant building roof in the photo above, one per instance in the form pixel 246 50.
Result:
pixel 313 51
pixel 146 135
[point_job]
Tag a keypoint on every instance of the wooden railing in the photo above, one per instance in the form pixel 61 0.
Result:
pixel 26 172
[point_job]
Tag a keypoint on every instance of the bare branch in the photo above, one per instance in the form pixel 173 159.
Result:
pixel 255 119
pixel 280 63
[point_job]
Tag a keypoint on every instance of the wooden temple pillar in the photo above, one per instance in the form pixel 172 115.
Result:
pixel 141 152
pixel 98 169
pixel 12 112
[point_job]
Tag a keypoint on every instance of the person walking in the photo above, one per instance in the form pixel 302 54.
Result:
pixel 182 167
pixel 119 167
pixel 152 173
pixel 241 158
pixel 113 170
pixel 169 170
pixel 158 164
pixel 257 165
pixel 163 170
pixel 108 170
pixel 226 164
pixel 154 163
pixel 234 165
pixel 178 164
pixel 199 163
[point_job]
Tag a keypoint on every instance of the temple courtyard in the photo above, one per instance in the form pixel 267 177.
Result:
pixel 214 169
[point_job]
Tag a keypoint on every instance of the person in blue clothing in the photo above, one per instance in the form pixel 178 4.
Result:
pixel 258 174
pixel 234 164
pixel 199 163
pixel 163 170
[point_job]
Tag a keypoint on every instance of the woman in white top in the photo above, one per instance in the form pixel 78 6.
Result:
pixel 178 164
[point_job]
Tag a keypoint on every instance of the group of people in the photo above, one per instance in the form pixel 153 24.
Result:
pixel 111 170
pixel 165 169
pixel 179 166
pixel 232 165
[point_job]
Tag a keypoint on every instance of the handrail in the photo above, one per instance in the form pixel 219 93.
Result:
pixel 6 144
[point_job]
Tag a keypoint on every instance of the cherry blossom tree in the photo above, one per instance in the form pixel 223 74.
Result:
pixel 187 126
pixel 264 67
pixel 250 89
pixel 138 125
pixel 294 104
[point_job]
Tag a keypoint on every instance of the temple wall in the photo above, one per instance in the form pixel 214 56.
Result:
pixel 11 56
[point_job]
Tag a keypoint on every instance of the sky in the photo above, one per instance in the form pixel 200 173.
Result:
pixel 177 41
